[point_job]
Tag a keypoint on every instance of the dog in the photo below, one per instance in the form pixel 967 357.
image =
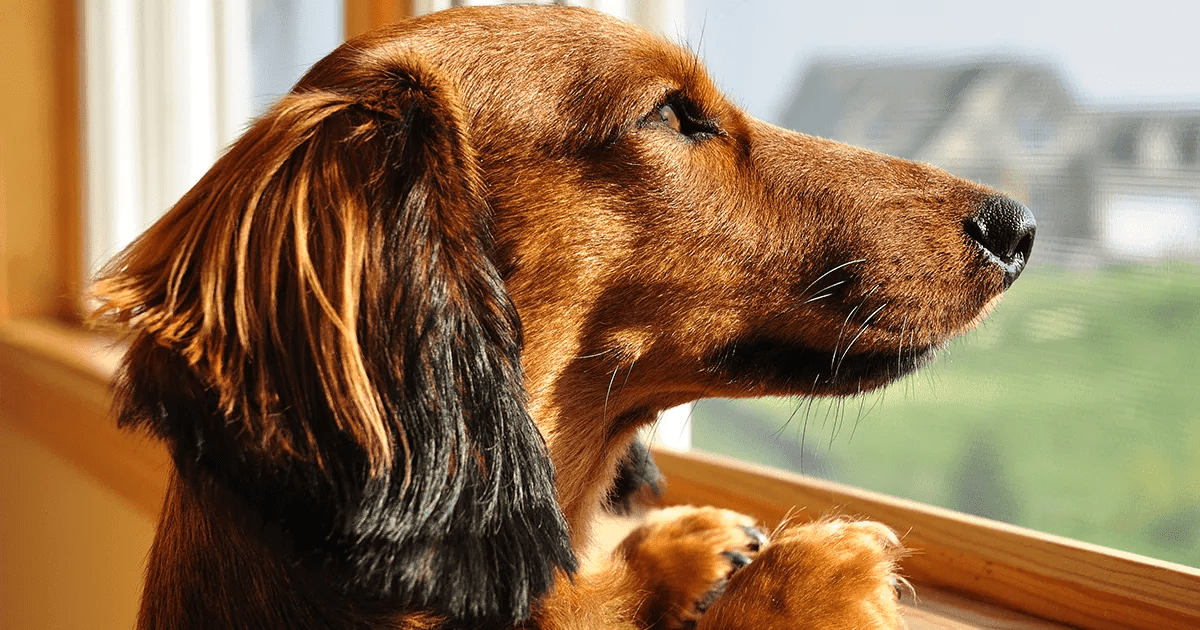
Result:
pixel 399 340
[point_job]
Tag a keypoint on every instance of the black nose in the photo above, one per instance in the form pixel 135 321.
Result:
pixel 1004 229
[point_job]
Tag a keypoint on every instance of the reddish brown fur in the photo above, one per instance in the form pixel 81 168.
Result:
pixel 633 255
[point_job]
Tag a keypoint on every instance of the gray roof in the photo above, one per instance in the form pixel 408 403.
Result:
pixel 897 108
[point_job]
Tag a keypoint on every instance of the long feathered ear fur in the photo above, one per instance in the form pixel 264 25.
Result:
pixel 318 328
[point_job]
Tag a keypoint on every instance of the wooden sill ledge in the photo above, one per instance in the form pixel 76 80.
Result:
pixel 1016 569
pixel 969 572
pixel 54 389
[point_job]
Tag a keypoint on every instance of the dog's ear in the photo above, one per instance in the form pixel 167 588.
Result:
pixel 318 328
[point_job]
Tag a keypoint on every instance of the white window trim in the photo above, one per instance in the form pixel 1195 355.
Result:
pixel 158 109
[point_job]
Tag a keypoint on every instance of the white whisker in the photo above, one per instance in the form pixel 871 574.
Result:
pixel 820 277
pixel 863 329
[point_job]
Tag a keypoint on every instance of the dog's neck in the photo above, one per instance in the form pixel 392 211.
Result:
pixel 587 447
pixel 588 398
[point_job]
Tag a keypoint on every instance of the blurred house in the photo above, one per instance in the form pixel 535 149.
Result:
pixel 1105 185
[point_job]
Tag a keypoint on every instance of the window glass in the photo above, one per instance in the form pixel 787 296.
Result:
pixel 286 37
pixel 1074 409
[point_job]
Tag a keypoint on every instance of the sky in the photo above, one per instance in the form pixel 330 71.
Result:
pixel 1108 52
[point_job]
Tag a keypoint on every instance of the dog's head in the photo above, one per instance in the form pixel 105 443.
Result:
pixel 662 246
pixel 327 324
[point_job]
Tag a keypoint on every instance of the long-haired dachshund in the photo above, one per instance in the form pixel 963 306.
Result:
pixel 400 338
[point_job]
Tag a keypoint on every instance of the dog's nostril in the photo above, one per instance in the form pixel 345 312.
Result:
pixel 1004 229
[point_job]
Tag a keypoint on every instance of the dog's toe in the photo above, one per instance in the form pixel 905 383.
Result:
pixel 684 557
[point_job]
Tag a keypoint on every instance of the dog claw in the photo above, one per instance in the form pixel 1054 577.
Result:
pixel 736 559
pixel 757 538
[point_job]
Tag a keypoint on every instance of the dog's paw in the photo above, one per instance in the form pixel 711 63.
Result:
pixel 826 574
pixel 683 557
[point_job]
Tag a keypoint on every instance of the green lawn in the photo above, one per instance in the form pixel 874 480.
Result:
pixel 1074 410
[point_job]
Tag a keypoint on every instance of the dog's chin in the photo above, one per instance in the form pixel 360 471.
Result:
pixel 776 367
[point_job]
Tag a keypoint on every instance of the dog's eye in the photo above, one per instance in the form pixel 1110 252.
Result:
pixel 668 116
pixel 677 115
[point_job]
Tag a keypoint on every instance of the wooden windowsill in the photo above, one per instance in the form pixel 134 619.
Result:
pixel 968 572
pixel 1016 569
pixel 54 389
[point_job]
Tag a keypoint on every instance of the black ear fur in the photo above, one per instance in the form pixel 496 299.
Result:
pixel 367 409
pixel 638 483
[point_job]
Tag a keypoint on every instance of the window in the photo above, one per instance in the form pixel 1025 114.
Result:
pixel 1189 139
pixel 1125 143
pixel 165 88
pixel 1074 409
pixel 169 84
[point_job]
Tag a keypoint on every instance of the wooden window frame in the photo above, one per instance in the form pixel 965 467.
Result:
pixel 968 572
